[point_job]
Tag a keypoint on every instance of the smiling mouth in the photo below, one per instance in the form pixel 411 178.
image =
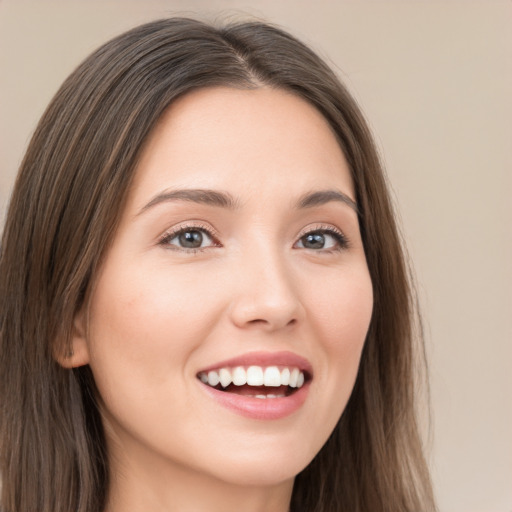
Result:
pixel 256 381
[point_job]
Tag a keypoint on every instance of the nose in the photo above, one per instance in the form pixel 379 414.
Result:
pixel 266 295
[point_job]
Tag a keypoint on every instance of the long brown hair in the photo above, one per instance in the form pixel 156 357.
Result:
pixel 64 210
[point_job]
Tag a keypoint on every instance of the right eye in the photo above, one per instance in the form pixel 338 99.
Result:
pixel 189 239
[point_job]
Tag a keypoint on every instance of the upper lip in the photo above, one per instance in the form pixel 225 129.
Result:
pixel 265 359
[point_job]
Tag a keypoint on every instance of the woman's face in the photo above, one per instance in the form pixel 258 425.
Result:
pixel 238 256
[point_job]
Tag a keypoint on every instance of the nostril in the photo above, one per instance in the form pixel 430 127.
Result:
pixel 258 321
pixel 263 322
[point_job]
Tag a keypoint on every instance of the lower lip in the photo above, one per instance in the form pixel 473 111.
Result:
pixel 260 408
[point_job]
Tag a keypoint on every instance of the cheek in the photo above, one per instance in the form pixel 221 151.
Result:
pixel 342 309
pixel 141 325
pixel 340 314
pixel 144 298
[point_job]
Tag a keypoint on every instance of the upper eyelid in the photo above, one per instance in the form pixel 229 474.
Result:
pixel 320 227
pixel 212 232
pixel 190 225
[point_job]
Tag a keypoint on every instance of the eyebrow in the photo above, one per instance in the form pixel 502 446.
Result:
pixel 225 200
pixel 322 197
pixel 202 196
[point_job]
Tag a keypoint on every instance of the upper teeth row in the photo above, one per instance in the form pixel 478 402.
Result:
pixel 254 376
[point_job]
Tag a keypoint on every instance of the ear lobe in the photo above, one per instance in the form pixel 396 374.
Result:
pixel 79 350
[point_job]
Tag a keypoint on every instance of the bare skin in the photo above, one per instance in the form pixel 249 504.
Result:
pixel 275 269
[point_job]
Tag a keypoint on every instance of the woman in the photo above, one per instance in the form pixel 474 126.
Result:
pixel 205 305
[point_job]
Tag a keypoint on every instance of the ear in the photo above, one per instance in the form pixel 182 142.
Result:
pixel 79 353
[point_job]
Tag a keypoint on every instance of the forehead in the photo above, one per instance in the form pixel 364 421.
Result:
pixel 250 142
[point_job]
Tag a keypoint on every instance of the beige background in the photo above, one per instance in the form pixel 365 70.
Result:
pixel 435 80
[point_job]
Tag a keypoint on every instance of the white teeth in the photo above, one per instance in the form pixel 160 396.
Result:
pixel 225 377
pixel 285 377
pixel 213 378
pixel 294 377
pixel 255 376
pixel 239 376
pixel 272 377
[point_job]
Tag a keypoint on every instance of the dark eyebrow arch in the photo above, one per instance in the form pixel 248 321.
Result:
pixel 321 197
pixel 198 195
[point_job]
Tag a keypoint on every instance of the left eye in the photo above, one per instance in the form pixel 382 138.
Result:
pixel 321 240
pixel 189 239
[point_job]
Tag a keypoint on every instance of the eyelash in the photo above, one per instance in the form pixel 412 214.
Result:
pixel 341 239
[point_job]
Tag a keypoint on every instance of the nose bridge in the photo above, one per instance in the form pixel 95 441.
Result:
pixel 266 295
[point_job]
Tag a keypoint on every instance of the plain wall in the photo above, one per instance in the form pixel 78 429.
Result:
pixel 435 81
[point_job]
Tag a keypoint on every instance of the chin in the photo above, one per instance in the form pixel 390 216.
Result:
pixel 263 469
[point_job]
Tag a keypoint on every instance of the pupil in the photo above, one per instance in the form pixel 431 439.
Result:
pixel 314 241
pixel 191 239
